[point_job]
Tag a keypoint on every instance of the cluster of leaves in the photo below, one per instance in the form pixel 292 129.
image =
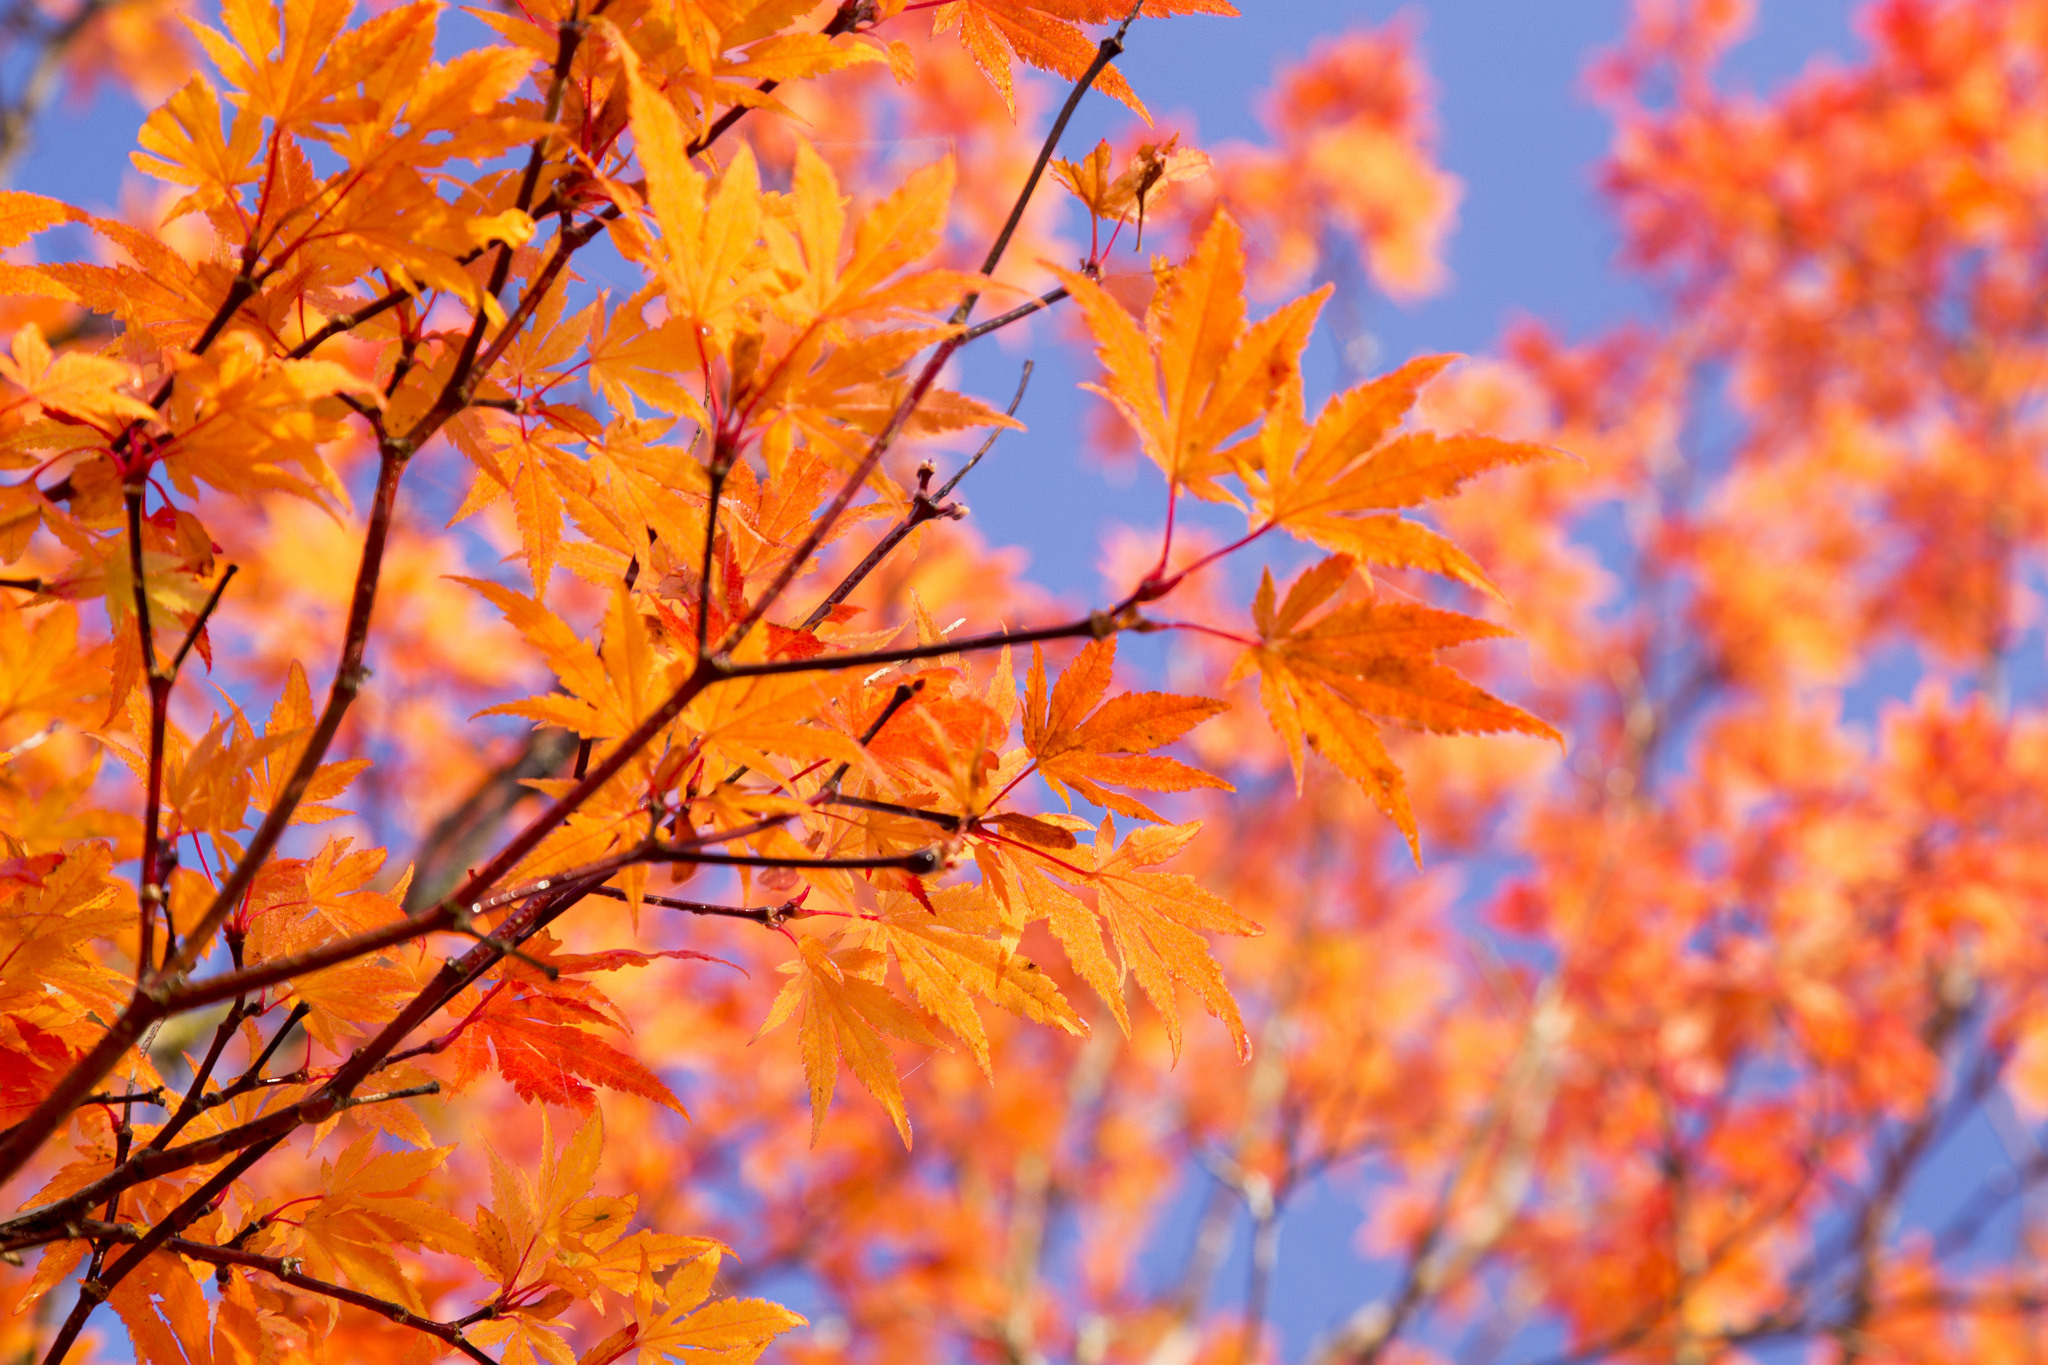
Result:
pixel 373 261
pixel 1740 1055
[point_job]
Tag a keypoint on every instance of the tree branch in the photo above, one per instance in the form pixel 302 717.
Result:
pixel 924 506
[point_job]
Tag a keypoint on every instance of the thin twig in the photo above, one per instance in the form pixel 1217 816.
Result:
pixel 761 914
pixel 206 611
pixel 925 506
pixel 1017 314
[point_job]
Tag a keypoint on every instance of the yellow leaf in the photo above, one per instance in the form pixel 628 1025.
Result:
pixel 841 1015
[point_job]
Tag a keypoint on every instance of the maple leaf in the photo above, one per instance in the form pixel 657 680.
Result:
pixel 943 950
pixel 1338 483
pixel 1047 34
pixel 47 674
pixel 1152 167
pixel 903 227
pixel 606 691
pixel 543 1048
pixel 543 1230
pixel 1155 920
pixel 1083 742
pixel 241 419
pixel 842 1010
pixel 694 1327
pixel 533 1230
pixel 1324 681
pixel 182 143
pixel 711 259
pixel 1195 374
pixel 51 978
pixel 163 1307
pixel 74 384
pixel 366 1212
pixel 289 728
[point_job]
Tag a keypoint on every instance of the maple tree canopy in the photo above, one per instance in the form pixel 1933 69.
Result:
pixel 504 705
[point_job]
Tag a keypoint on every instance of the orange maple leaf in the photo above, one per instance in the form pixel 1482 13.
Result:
pixel 1083 742
pixel 1325 681
pixel 1339 483
pixel 844 1009
pixel 1047 34
pixel 1155 920
pixel 1196 374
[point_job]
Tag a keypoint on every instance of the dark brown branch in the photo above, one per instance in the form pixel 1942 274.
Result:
pixel 724 450
pixel 931 817
pixel 258 975
pixel 252 1074
pixel 191 1106
pixel 156 1094
pixel 349 321
pixel 770 915
pixel 1096 627
pixel 281 1268
pixel 149 888
pixel 1016 401
pixel 467 371
pixel 206 611
pixel 924 860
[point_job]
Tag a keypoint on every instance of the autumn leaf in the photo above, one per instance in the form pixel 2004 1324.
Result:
pixel 946 957
pixel 89 388
pixel 694 1327
pixel 1085 743
pixel 1325 681
pixel 711 258
pixel 1195 374
pixel 842 1012
pixel 1155 921
pixel 1049 37
pixel 1153 167
pixel 1337 484
pixel 365 1214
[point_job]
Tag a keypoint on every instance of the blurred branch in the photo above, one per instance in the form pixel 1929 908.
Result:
pixel 19 111
pixel 1450 1245
pixel 463 836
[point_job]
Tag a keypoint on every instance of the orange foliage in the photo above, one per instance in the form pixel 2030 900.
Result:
pixel 502 707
